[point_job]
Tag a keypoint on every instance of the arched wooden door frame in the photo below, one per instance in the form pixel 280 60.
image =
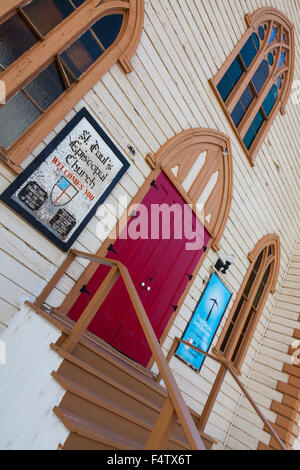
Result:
pixel 192 142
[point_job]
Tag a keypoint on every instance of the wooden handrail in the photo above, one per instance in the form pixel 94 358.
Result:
pixel 226 364
pixel 175 405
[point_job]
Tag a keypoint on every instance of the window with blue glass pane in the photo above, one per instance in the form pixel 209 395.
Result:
pixel 225 87
pixel 282 59
pixel 242 106
pixel 253 129
pixel 107 29
pixel 249 138
pixel 250 49
pixel 230 79
pixel 258 121
pixel 273 35
pixel 270 100
pixel 238 114
pixel 260 76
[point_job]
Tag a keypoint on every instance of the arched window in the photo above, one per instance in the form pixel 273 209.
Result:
pixel 51 53
pixel 260 280
pixel 255 81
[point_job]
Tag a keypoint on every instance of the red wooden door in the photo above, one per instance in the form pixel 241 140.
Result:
pixel 163 264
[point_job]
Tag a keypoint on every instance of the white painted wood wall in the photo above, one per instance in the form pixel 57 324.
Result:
pixel 184 43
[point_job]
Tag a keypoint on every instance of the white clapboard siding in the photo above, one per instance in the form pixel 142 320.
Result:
pixel 273 352
pixel 29 394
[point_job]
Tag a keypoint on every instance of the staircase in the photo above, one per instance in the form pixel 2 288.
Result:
pixel 110 401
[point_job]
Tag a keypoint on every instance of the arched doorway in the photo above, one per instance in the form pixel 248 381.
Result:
pixel 192 168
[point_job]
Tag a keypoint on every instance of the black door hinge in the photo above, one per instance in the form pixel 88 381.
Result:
pixel 174 307
pixel 204 248
pixel 111 248
pixel 153 184
pixel 85 290
pixel 190 276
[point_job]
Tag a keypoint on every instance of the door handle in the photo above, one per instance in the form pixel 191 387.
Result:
pixel 143 284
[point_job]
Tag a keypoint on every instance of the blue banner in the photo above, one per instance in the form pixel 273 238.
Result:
pixel 205 322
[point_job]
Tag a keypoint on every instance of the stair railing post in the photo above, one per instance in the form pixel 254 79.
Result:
pixel 181 409
pixel 91 309
pixel 243 389
pixel 54 280
pixel 163 427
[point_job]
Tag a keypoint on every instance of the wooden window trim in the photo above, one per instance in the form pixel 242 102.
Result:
pixel 253 20
pixel 274 259
pixel 24 69
pixel 162 161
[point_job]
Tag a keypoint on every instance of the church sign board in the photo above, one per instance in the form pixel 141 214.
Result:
pixel 60 191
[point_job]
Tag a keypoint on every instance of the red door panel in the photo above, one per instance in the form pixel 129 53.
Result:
pixel 162 264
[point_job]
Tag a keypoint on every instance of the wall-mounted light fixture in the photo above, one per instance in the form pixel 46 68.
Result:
pixel 222 266
pixel 131 150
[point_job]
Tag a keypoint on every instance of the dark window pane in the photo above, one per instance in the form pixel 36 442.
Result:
pixel 249 138
pixel 257 121
pixel 235 71
pixel 46 87
pixel 266 275
pixel 271 58
pixel 246 324
pixel 82 54
pixel 237 348
pixel 270 100
pixel 250 49
pixel 258 295
pixel 227 336
pixel 261 33
pixel 247 98
pixel 258 262
pixel 279 82
pixel 260 75
pixel 237 311
pixel 46 14
pixel 250 283
pixel 230 78
pixel 15 39
pixel 107 29
pixel 225 87
pixel 15 117
pixel 242 106
pixel 238 113
pixel 77 3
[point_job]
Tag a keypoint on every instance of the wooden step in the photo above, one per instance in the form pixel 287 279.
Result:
pixel 110 405
pixel 99 384
pixel 96 433
pixel 74 373
pixel 97 344
pixel 104 361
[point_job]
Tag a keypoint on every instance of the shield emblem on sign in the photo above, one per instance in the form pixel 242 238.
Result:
pixel 63 192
